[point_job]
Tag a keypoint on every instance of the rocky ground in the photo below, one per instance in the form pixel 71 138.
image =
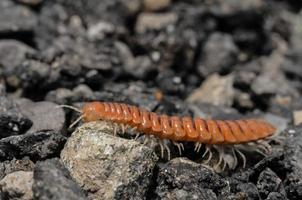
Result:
pixel 214 59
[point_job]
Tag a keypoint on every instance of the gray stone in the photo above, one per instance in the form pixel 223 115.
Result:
pixel 52 181
pixel 218 55
pixel 17 185
pixel 108 167
pixel 44 115
pixel 16 18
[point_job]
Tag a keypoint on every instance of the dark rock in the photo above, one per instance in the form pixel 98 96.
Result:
pixel 181 178
pixel 269 182
pixel 44 115
pixel 12 122
pixel 16 18
pixel 108 167
pixel 170 83
pixel 38 145
pixel 219 54
pixel 17 185
pixel 9 166
pixel 53 181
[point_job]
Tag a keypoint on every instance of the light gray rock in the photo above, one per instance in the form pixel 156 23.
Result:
pixel 217 90
pixel 108 167
pixel 44 115
pixel 154 21
pixel 17 186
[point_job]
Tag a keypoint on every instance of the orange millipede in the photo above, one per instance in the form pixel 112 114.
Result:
pixel 222 135
pixel 176 128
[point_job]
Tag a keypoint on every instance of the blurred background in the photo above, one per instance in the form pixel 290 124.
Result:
pixel 244 55
pixel 222 59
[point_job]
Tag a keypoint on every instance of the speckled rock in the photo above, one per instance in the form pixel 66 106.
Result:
pixel 36 145
pixel 52 181
pixel 10 166
pixel 17 185
pixel 269 182
pixel 108 167
pixel 183 179
pixel 44 115
pixel 293 162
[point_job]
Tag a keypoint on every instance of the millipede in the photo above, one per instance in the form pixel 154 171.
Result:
pixel 217 134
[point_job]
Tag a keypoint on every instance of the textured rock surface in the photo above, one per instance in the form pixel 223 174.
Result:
pixel 17 185
pixel 37 145
pixel 53 181
pixel 108 167
pixel 183 179
pixel 10 166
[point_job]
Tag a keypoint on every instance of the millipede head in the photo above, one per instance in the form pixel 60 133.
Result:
pixel 92 111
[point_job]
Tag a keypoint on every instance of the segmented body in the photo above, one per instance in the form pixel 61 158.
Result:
pixel 179 129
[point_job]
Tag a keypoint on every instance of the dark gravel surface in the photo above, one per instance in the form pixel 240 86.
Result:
pixel 225 59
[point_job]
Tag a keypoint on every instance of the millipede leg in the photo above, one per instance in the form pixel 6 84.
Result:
pixel 266 145
pixel 197 147
pixel 179 146
pixel 221 154
pixel 114 129
pixel 133 129
pixel 168 150
pixel 208 150
pixel 161 149
pixel 123 128
pixel 136 136
pixel 235 159
pixel 242 156
pixel 76 121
